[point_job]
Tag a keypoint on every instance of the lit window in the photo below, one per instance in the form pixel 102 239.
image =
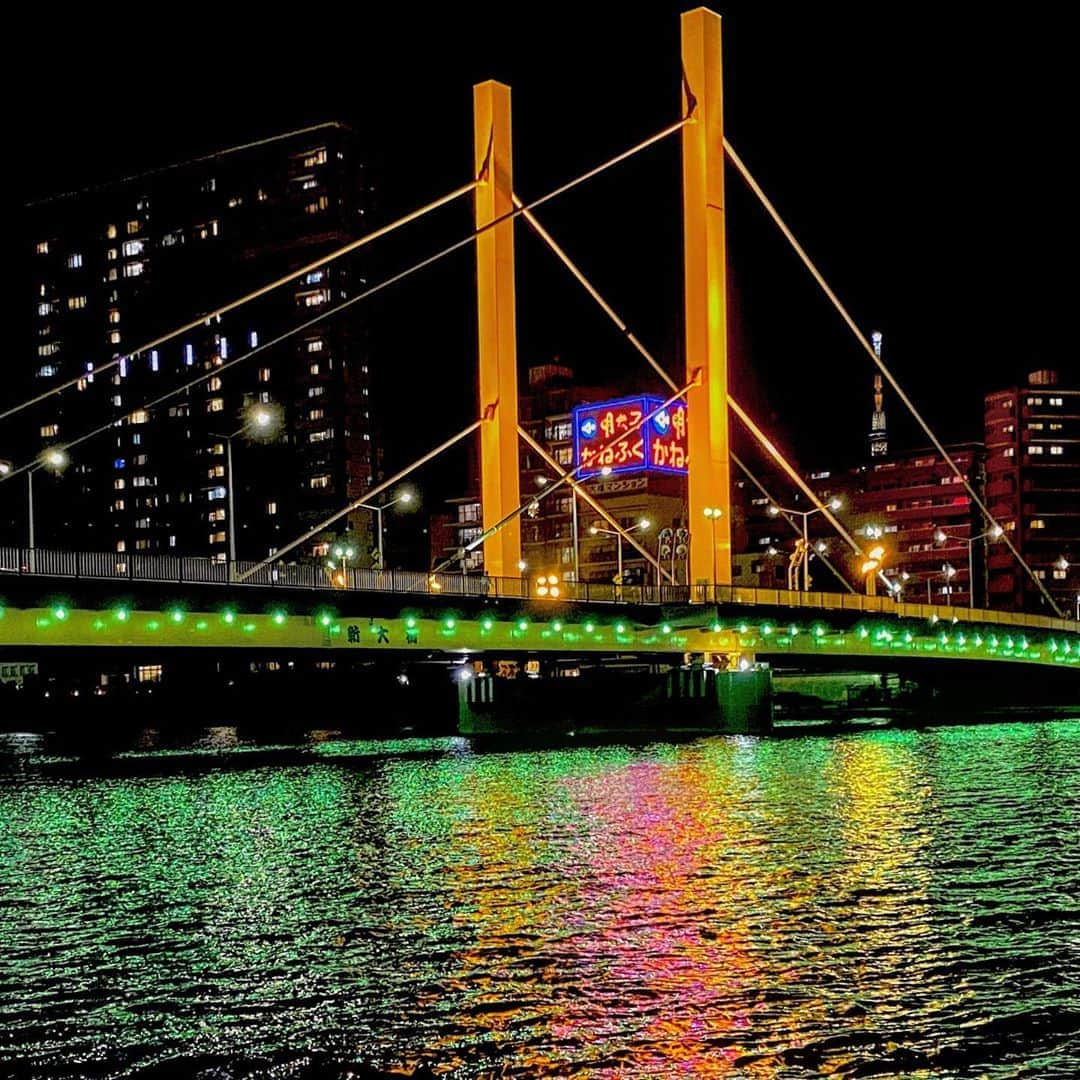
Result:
pixel 132 228
pixel 112 273
pixel 149 673
pixel 1035 450
pixel 215 405
pixel 215 383
pixel 215 493
pixel 1010 451
pixel 114 337
pixel 271 507
pixel 316 207
pixel 74 261
pixel 111 254
pixel 189 354
pixel 216 515
pixel 114 315
pixel 215 472
pixel 315 345
pixel 42 247
pixel 210 184
pixel 139 416
pixel 119 484
pixel 1034 400
pixel 1057 401
pixel 1060 575
pixel 44 309
pixel 76 302
pixel 142 545
pixel 316 414
pixel 264 374
pixel 315 157
pixel 51 349
pixel 316 298
pixel 46 371
pixel 1057 450
pixel 110 233
pixel 49 431
pixel 320 481
pixel 1037 523
pixel 313 369
pixel 253 339
pixel 133 269
pixel 217 538
pixel 119 504
pixel 316 391
pixel 132 248
pixel 321 436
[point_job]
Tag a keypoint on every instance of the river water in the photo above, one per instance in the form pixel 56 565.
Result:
pixel 896 903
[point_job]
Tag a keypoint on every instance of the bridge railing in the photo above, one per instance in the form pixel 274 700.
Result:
pixel 166 568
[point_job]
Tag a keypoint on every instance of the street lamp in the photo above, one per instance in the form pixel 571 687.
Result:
pixel 948 572
pixel 597 530
pixel 870 567
pixel 404 498
pixel 775 511
pixel 262 423
pixel 713 513
pixel 55 459
pixel 343 554
pixel 994 532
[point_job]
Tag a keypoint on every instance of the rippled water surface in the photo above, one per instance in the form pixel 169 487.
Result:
pixel 891 904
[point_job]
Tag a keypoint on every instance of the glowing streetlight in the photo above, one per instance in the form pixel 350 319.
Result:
pixel 261 422
pixel 942 537
pixel 547 585
pixel 342 553
pixel 405 498
pixel 597 530
pixel 875 558
pixel 775 511
pixel 713 513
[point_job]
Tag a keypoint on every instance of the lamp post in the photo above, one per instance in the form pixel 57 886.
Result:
pixel 597 530
pixel 262 423
pixel 775 511
pixel 343 554
pixel 405 497
pixel 875 557
pixel 55 459
pixel 941 536
pixel 713 513
pixel 948 572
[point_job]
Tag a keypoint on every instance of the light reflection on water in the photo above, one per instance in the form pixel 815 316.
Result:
pixel 899 903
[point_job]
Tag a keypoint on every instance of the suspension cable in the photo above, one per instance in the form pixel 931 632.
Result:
pixel 658 367
pixel 357 503
pixel 771 210
pixel 255 294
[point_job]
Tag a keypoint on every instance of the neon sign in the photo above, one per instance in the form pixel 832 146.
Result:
pixel 658 445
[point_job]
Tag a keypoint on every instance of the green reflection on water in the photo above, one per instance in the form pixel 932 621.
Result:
pixel 902 900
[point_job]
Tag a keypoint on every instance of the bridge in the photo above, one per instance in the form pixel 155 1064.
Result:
pixel 93 600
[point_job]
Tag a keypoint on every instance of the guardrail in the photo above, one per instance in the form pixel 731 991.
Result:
pixel 191 570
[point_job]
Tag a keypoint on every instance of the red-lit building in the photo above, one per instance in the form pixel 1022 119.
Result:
pixel 1033 489
pixel 925 517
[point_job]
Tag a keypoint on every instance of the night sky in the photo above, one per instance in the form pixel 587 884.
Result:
pixel 920 157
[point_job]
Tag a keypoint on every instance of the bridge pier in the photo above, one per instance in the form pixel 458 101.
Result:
pixel 684 699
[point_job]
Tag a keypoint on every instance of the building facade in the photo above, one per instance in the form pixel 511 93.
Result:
pixel 561 534
pixel 119 265
pixel 1033 489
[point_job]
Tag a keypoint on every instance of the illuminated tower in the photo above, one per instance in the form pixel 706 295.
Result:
pixel 879 436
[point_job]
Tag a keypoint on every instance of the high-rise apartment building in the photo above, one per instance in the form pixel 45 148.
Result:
pixel 119 265
pixel 1033 489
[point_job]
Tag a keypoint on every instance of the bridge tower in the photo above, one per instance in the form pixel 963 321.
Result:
pixel 705 271
pixel 499 469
